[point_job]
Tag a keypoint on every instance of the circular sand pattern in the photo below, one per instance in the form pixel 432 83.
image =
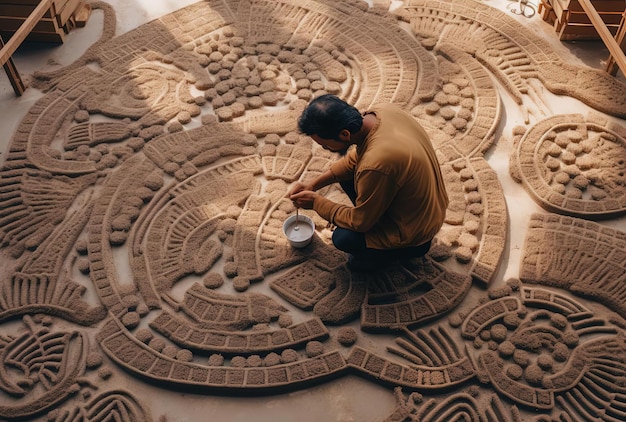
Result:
pixel 574 166
pixel 143 197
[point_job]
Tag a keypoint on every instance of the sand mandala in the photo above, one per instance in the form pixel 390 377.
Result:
pixel 143 197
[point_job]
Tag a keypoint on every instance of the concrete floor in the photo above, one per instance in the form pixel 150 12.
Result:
pixel 349 398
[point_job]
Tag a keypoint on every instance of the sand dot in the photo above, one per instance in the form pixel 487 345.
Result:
pixel 533 374
pixel 238 362
pixel 554 150
pixel 314 348
pixel 131 320
pixel 568 158
pixel 562 178
pixel 184 355
pixel 473 197
pixel 81 116
pixel 184 117
pixel 560 352
pixel 94 360
pixel 441 98
pixel 230 269
pixel 170 351
pixel 571 339
pixel 470 185
pixel 285 320
pixel 289 356
pixel 512 320
pixel 475 209
pixel 521 357
pixel 545 361
pixel 241 284
pixel 131 302
pixel 562 140
pixel 157 344
pixel 506 349
pixel 272 359
pixel 216 360
pixel 469 241
pixel 463 254
pixel 575 149
pixel 447 113
pixel 478 343
pixel 559 188
pixel 459 123
pixel 455 320
pixel 432 108
pixel 553 164
pixel 597 194
pixel 514 372
pixel 83 265
pixel 558 321
pixel 254 361
pixel 573 193
pixel 468 103
pixel 144 335
pixel 498 292
pixel 213 280
pixel 580 182
pixel 574 136
pixel 346 336
pixel 105 373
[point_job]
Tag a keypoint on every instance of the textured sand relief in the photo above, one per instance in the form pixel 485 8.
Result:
pixel 143 197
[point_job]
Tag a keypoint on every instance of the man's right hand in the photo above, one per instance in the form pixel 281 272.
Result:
pixel 299 187
pixel 304 199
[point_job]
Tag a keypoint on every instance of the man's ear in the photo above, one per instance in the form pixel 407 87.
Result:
pixel 345 135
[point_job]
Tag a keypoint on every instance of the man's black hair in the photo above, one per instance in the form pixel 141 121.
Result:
pixel 327 115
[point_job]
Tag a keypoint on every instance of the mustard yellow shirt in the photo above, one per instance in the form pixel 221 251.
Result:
pixel 401 197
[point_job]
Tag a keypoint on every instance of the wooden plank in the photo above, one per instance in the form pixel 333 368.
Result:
pixel 21 10
pixel 66 10
pixel 559 7
pixel 20 35
pixel 582 18
pixel 30 2
pixel 614 48
pixel 580 33
pixel 601 6
pixel 620 38
pixel 82 15
pixel 47 37
pixel 13 74
pixel 10 24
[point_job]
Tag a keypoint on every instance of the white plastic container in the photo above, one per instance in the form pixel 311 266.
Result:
pixel 299 233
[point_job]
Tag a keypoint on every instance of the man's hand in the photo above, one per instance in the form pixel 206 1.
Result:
pixel 304 199
pixel 299 187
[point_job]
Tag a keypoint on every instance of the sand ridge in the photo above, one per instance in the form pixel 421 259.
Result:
pixel 143 196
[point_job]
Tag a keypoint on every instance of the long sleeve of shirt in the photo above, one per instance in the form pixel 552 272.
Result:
pixel 375 192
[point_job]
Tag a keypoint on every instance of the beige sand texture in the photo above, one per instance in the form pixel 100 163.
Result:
pixel 145 275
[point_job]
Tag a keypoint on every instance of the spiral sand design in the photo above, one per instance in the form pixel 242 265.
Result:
pixel 143 196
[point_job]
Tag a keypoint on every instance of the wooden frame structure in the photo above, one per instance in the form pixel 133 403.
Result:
pixel 615 45
pixel 591 19
pixel 36 20
pixel 15 41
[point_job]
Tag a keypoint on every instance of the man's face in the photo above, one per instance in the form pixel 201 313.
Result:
pixel 333 145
